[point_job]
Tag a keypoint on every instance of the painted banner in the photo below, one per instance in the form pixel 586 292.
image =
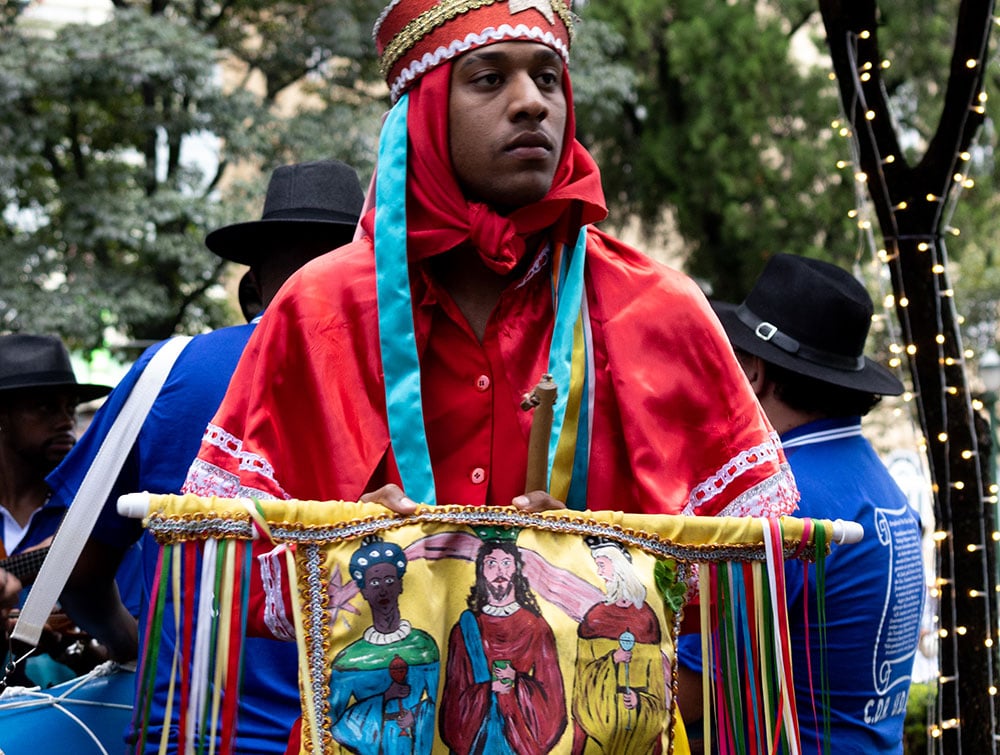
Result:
pixel 476 630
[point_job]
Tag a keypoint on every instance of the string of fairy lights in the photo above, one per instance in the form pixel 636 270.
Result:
pixel 949 629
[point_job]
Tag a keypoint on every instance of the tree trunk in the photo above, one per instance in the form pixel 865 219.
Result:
pixel 908 203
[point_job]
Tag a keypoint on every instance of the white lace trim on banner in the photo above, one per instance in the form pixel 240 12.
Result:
pixel 207 479
pixel 775 496
pixel 274 604
pixel 249 462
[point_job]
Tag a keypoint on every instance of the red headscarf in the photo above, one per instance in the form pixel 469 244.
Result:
pixel 439 217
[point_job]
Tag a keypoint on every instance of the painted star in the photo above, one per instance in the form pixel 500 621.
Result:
pixel 341 594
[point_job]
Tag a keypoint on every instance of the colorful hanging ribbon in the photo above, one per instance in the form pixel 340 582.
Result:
pixel 749 695
pixel 206 666
pixel 572 369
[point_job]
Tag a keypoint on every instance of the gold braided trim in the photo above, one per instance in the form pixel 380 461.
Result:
pixel 174 519
pixel 440 14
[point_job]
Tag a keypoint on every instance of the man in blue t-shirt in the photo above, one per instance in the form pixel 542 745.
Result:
pixel 310 209
pixel 799 336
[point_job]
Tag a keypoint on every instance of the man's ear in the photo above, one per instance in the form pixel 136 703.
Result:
pixel 755 371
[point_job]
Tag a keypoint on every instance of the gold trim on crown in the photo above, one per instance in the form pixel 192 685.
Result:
pixel 441 13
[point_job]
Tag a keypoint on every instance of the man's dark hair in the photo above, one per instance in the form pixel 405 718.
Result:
pixel 806 394
pixel 479 594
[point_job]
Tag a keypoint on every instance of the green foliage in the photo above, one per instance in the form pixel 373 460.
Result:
pixel 917 73
pixel 722 132
pixel 728 133
pixel 916 39
pixel 124 143
pixel 673 589
pixel 135 125
pixel 97 237
pixel 602 79
pixel 975 275
pixel 919 707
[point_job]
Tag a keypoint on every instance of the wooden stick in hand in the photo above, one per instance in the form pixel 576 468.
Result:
pixel 541 400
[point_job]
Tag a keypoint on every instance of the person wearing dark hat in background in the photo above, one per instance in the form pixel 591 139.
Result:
pixel 800 336
pixel 310 208
pixel 39 394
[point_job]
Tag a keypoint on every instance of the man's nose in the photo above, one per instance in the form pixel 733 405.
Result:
pixel 526 98
pixel 65 416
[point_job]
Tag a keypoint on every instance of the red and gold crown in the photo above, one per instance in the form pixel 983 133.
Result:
pixel 414 36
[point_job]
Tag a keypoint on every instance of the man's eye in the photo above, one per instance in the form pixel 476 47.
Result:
pixel 488 79
pixel 548 79
pixel 52 408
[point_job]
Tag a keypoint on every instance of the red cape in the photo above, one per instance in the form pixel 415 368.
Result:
pixel 304 416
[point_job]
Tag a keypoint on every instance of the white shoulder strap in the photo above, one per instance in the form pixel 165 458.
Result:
pixel 93 492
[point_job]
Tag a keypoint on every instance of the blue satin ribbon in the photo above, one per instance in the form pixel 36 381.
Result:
pixel 568 301
pixel 397 339
pixel 576 499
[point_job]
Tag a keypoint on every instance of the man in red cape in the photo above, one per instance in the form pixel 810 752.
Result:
pixel 483 201
pixel 672 425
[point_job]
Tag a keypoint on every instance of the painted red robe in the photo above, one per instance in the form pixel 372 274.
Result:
pixel 534 711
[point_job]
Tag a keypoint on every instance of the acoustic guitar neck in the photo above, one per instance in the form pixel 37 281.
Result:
pixel 25 565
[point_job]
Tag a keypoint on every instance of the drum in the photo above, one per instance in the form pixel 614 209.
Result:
pixel 87 715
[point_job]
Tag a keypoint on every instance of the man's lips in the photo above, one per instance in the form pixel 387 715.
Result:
pixel 62 443
pixel 532 145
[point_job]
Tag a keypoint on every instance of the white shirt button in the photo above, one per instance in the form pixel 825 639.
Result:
pixel 482 383
pixel 478 475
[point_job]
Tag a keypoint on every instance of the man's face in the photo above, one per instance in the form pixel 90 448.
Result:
pixel 39 425
pixel 498 570
pixel 506 122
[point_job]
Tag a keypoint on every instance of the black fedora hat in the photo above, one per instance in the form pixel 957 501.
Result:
pixel 30 361
pixel 812 318
pixel 307 203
